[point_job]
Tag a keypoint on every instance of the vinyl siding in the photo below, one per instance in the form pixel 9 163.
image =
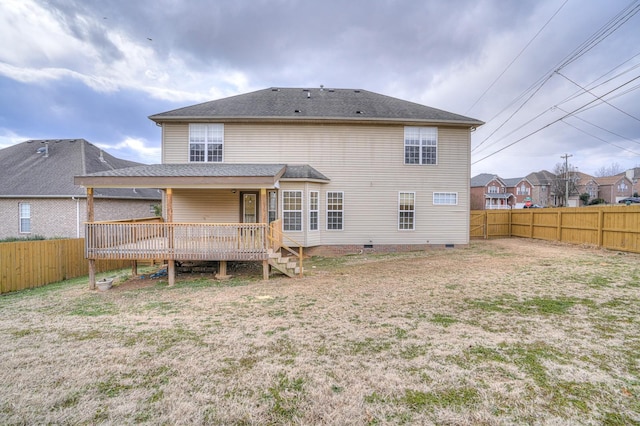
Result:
pixel 206 206
pixel 366 163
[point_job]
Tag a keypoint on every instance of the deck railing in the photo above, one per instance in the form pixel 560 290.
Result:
pixel 176 241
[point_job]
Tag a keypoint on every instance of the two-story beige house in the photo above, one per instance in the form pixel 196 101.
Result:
pixel 328 170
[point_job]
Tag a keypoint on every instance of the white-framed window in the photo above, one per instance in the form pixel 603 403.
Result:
pixel 622 187
pixel 314 206
pixel 523 190
pixel 335 211
pixel 292 210
pixel 406 211
pixel 445 198
pixel 25 217
pixel 420 145
pixel 493 189
pixel 206 142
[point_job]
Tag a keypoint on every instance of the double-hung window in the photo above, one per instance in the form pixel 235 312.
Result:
pixel 25 217
pixel 313 210
pixel 206 142
pixel 335 211
pixel 406 211
pixel 292 210
pixel 420 145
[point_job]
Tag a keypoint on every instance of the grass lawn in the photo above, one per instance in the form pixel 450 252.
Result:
pixel 504 332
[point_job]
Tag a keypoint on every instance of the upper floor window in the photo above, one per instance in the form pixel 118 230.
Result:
pixel 493 189
pixel 25 217
pixel 206 142
pixel 420 145
pixel 522 190
pixel 622 187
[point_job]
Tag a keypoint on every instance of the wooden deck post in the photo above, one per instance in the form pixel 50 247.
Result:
pixel 222 273
pixel 171 263
pixel 90 218
pixel 264 214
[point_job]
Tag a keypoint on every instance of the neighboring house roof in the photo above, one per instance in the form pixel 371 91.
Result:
pixel 46 168
pixel 499 196
pixel 541 178
pixel 511 182
pixel 611 180
pixel 199 174
pixel 314 104
pixel 483 179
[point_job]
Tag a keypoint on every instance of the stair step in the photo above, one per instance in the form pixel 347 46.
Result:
pixel 283 260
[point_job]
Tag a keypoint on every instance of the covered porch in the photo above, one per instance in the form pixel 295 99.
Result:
pixel 246 192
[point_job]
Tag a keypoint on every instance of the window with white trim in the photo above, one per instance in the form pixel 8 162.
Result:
pixel 406 211
pixel 622 186
pixel 420 145
pixel 292 210
pixel 25 217
pixel 314 202
pixel 335 211
pixel 206 142
pixel 493 189
pixel 445 198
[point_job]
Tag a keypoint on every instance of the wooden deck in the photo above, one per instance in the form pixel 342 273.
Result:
pixel 177 241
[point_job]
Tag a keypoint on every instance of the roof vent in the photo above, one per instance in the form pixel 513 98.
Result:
pixel 308 95
pixel 275 89
pixel 297 111
pixel 356 91
pixel 322 87
pixel 359 112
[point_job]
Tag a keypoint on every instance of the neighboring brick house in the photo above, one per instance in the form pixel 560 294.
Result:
pixel 614 188
pixel 522 189
pixel 542 187
pixel 489 192
pixel 38 196
pixel 582 183
pixel 634 176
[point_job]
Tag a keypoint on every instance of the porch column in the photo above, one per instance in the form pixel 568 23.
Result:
pixel 90 218
pixel 171 263
pixel 264 214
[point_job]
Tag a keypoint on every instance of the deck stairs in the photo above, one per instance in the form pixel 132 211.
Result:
pixel 287 265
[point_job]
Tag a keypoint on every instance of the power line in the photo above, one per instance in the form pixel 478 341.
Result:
pixel 605 31
pixel 600 139
pixel 516 58
pixel 598 97
pixel 575 111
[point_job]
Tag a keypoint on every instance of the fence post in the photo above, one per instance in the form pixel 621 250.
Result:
pixel 531 223
pixel 559 226
pixel 600 226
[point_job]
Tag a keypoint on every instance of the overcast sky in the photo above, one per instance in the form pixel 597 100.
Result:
pixel 548 77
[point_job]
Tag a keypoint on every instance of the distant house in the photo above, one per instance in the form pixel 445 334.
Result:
pixel 521 189
pixel 634 176
pixel 489 192
pixel 582 183
pixel 614 188
pixel 542 187
pixel 38 195
pixel 330 170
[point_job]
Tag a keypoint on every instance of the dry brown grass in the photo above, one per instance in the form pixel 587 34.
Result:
pixel 504 332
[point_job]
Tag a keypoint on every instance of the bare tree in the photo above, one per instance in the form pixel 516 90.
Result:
pixel 612 170
pixel 559 184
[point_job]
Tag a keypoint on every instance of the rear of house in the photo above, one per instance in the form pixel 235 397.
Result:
pixel 342 170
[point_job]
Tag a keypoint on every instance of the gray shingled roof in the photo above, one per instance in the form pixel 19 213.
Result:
pixel 317 103
pixel 25 172
pixel 215 170
pixel 511 182
pixel 483 179
pixel 543 177
pixel 195 170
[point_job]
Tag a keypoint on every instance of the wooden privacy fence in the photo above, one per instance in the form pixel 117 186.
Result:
pixel 29 264
pixel 610 227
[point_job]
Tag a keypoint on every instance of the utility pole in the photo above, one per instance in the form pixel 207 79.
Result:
pixel 566 178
